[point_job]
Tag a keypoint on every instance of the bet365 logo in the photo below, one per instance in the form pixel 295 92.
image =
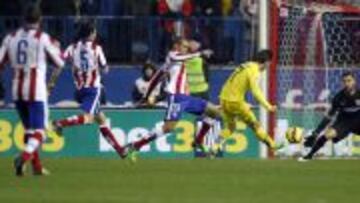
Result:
pixel 179 142
pixel 12 135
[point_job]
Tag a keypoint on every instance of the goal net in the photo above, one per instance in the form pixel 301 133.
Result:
pixel 315 42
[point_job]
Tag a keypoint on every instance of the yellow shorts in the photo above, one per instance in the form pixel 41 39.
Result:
pixel 233 111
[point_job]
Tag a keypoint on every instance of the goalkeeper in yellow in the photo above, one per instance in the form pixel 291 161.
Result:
pixel 232 98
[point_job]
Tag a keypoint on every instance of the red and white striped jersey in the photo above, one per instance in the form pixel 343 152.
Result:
pixel 175 66
pixel 26 50
pixel 87 58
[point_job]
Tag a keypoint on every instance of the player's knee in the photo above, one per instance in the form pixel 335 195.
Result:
pixel 168 127
pixel 212 110
pixel 226 133
pixel 100 119
pixel 255 125
pixel 89 118
pixel 330 133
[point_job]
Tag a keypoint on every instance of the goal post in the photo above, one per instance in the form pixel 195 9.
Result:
pixel 313 43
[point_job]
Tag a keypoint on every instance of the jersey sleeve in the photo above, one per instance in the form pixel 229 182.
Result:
pixel 4 51
pixel 256 91
pixel 183 57
pixel 53 51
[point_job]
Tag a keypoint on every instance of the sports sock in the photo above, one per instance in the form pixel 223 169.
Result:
pixel 144 141
pixel 110 138
pixel 263 136
pixel 71 121
pixel 32 145
pixel 35 161
pixel 318 144
pixel 205 127
pixel 156 132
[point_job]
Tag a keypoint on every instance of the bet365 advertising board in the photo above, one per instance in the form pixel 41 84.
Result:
pixel 128 126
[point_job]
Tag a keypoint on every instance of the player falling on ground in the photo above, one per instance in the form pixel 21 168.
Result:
pixel 26 49
pixel 88 60
pixel 178 99
pixel 232 98
pixel 342 119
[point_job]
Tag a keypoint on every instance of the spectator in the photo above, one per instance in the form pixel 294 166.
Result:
pixel 197 73
pixel 138 7
pixel 141 86
pixel 175 7
pixel 226 7
pixel 208 7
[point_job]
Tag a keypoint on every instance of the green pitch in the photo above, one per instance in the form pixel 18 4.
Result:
pixel 183 181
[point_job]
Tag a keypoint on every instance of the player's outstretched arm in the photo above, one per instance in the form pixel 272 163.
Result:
pixel 259 96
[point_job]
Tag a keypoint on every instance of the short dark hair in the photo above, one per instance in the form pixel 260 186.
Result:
pixel 263 56
pixel 32 13
pixel 348 73
pixel 86 27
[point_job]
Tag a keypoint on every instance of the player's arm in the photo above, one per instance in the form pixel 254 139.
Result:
pixel 4 53
pixel 53 50
pixel 256 91
pixel 183 57
pixel 102 60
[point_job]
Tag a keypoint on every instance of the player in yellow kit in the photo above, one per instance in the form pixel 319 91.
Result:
pixel 233 103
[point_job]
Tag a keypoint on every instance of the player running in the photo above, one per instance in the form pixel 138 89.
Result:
pixel 88 60
pixel 26 50
pixel 178 99
pixel 232 98
pixel 342 119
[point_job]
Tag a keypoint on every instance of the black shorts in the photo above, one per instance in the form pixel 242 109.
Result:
pixel 344 126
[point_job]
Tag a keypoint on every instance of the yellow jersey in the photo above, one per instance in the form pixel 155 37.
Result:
pixel 243 79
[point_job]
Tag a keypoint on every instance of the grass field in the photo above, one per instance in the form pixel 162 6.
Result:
pixel 182 181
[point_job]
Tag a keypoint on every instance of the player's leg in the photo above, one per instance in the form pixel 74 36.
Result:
pixel 105 130
pixel 36 124
pixel 172 115
pixel 208 112
pixel 89 103
pixel 25 118
pixel 338 131
pixel 158 131
pixel 250 119
pixel 228 115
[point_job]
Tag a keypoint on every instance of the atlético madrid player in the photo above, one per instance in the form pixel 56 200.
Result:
pixel 179 100
pixel 27 50
pixel 88 60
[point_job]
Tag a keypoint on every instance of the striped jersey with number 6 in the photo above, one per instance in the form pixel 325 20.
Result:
pixel 87 58
pixel 27 50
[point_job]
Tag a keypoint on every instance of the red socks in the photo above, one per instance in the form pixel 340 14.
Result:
pixel 109 136
pixel 71 121
pixel 205 127
pixel 33 141
pixel 144 141
pixel 35 161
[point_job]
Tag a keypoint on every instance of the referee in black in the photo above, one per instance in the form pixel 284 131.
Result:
pixel 342 119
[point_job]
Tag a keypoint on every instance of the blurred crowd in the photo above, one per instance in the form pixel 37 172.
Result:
pixel 130 7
